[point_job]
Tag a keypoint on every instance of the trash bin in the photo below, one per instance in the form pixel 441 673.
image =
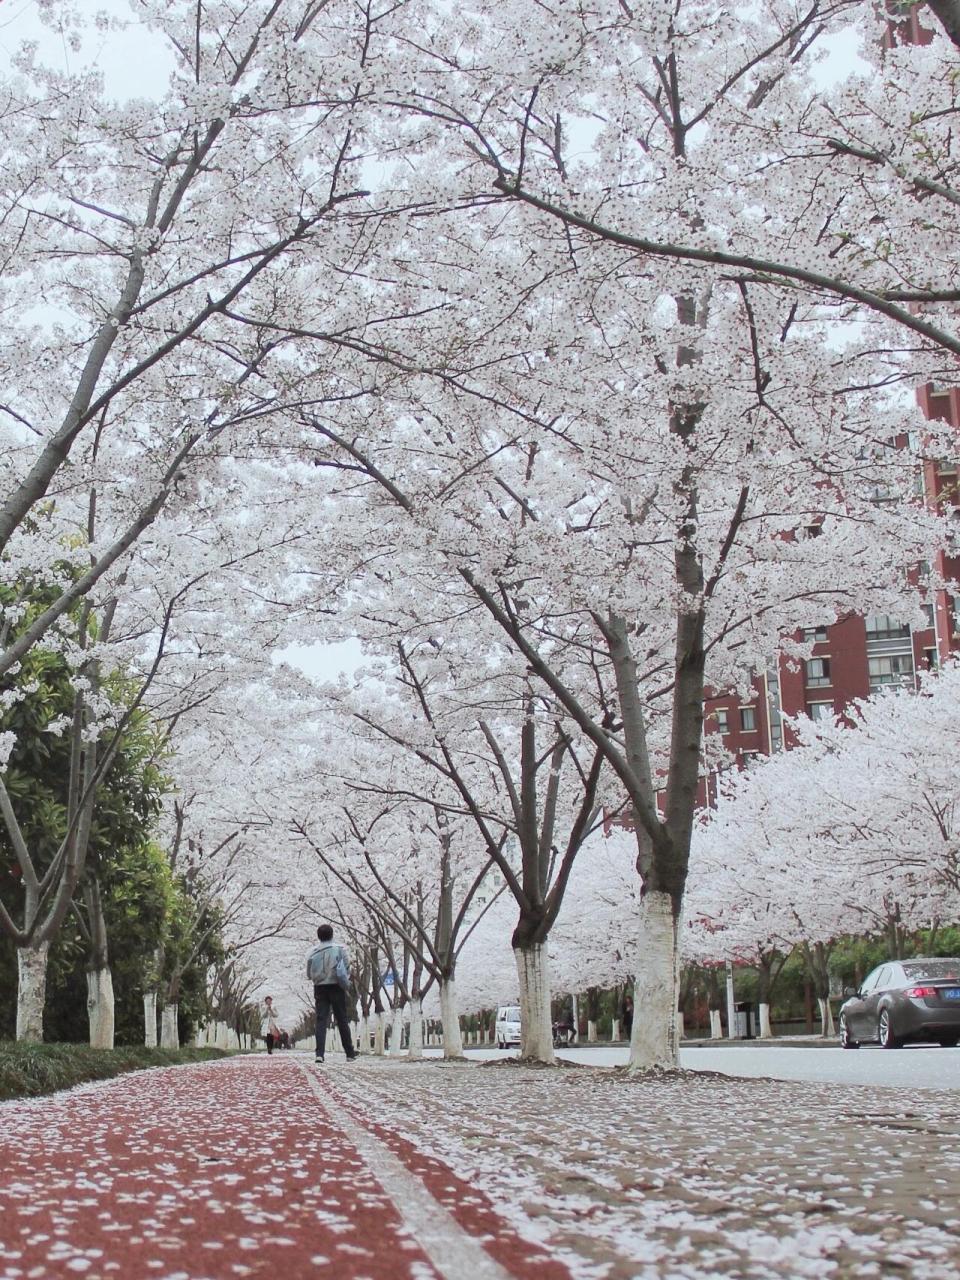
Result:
pixel 743 1020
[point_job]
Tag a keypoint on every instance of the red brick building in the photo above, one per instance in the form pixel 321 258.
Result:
pixel 856 656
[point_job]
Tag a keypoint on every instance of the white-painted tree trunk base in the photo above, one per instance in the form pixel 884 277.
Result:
pixel 363 1036
pixel 826 1018
pixel 765 1031
pixel 716 1025
pixel 450 1019
pixel 150 1019
pixel 200 1039
pixel 654 1041
pixel 169 1035
pixel 415 1038
pixel 101 1008
pixel 536 1023
pixel 591 1032
pixel 223 1036
pixel 615 1029
pixel 31 991
pixel 378 1035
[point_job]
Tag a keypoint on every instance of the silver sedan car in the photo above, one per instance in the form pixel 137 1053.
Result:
pixel 904 1000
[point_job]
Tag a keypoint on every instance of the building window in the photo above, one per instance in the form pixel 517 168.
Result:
pixel 820 710
pixel 722 720
pixel 884 495
pixel 931 659
pixel 817 672
pixel 748 719
pixel 928 614
pixel 817 634
pixel 894 669
pixel 880 626
pixel 748 757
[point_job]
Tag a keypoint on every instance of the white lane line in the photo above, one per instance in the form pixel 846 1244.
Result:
pixel 454 1253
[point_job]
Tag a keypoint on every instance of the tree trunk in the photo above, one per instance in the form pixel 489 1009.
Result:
pixel 450 1019
pixel 363 1036
pixel 591 1032
pixel 100 1001
pixel 415 1049
pixel 31 991
pixel 615 1030
pixel 100 1007
pixel 654 1039
pixel 536 1024
pixel 150 1019
pixel 716 1025
pixel 766 1030
pixel 378 1036
pixel 169 1033
pixel 826 1017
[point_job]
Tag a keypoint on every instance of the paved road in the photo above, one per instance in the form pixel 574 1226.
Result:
pixel 914 1067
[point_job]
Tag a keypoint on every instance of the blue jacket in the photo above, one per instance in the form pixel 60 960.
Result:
pixel 322 963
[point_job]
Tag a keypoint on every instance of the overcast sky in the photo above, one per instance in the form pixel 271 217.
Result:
pixel 132 62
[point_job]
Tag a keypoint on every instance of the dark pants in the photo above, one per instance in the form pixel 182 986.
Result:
pixel 331 997
pixel 271 1040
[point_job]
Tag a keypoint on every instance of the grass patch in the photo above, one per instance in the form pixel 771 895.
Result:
pixel 28 1070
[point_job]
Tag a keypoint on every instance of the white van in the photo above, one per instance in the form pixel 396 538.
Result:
pixel 507 1028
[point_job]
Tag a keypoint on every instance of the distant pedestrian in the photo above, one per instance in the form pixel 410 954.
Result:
pixel 270 1026
pixel 328 968
pixel 626 1017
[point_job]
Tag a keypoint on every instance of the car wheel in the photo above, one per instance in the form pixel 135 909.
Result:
pixel 885 1031
pixel 846 1040
pixel 949 1041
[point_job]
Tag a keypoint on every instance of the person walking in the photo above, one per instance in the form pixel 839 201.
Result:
pixel 328 968
pixel 270 1026
pixel 626 1016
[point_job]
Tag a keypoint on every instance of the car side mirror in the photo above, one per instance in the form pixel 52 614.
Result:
pixel 850 991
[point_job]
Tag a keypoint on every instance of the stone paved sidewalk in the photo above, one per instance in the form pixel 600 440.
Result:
pixel 693 1175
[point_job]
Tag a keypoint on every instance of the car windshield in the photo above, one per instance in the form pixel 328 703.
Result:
pixel 915 969
pixel 510 1015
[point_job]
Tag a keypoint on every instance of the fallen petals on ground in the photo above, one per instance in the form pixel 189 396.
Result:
pixel 386 1170
pixel 685 1176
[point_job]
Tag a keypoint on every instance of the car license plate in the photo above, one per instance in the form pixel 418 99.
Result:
pixel 951 993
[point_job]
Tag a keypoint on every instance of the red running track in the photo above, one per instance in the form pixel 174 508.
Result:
pixel 235 1169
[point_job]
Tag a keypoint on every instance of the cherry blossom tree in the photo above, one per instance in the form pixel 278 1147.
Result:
pixel 609 436
pixel 528 789
pixel 147 246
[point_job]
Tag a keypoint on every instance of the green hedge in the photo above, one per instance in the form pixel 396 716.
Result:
pixel 27 1070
